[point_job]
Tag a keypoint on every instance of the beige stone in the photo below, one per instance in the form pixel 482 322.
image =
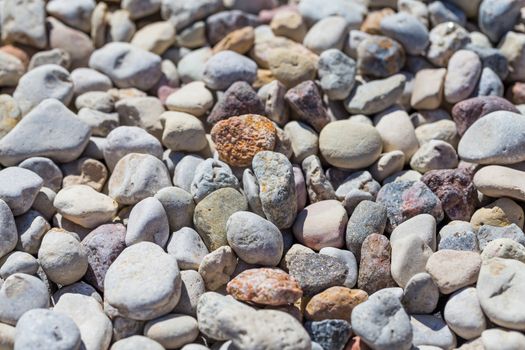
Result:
pixel 289 24
pixel 428 88
pixel 183 132
pixel 155 37
pixel 499 181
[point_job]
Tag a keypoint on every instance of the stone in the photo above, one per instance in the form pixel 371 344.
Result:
pixel 192 288
pixel 379 313
pixel 144 112
pixel 489 84
pixel 75 42
pixel 487 234
pixel 102 245
pixel 87 80
pixel 497 338
pixel 489 13
pixel 316 272
pixel 305 141
pixel 49 130
pixel 238 139
pixel 10 114
pixel 31 227
pixel 95 100
pixel 24 23
pixel 334 303
pixel 466 240
pixel 226 67
pixel 240 41
pixel 421 294
pixel 463 72
pixel 18 262
pixel 251 191
pixel 265 286
pixel 217 267
pixel 85 171
pixel 328 33
pixel 444 265
pixel 273 97
pixel 76 15
pixel 183 132
pixel 445 39
pixel 512 48
pixel 148 222
pixel 19 188
pixel 212 213
pixel 45 328
pixel 101 123
pixel 84 206
pixel 434 155
pixel 191 66
pixel 348 259
pixel 367 218
pixel 422 226
pixel 137 176
pixel 290 67
pixel 254 239
pixel 431 330
pixel 463 314
pixel 155 37
pixel 306 101
pixel 409 257
pixel 239 99
pixel 88 315
pixel 12 69
pixel 397 133
pixel 62 257
pixel 387 164
pixel 179 207
pixel 193 36
pixel 172 330
pixel 498 283
pixel 136 342
pixel 505 248
pixel 337 73
pixel 220 24
pixel 360 147
pixel 312 11
pixel 408 30
pixel 139 9
pixel 289 24
pixel 127 65
pixel 317 185
pixel 379 56
pixel 124 278
pixel 274 173
pixel 31 293
pixel 428 88
pixel 321 225
pixel 374 266
pixel 444 130
pixel 192 98
pixel 499 181
pixel 187 247
pixel 210 176
pixel 375 96
pixel 501 144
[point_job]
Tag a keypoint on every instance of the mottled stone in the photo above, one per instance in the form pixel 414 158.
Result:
pixel 487 234
pixel 211 175
pixel 217 267
pixel 239 99
pixel 505 248
pixel 306 101
pixel 226 67
pixel 290 67
pixel 367 218
pixel 273 97
pixel 330 334
pixel 421 294
pixel 337 73
pixel 317 185
pixel 379 56
pixel 408 30
pixel 374 267
pixel 334 303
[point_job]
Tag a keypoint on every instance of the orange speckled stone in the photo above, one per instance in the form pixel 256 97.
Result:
pixel 265 286
pixel 334 303
pixel 239 139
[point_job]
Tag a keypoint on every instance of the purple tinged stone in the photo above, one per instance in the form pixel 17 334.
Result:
pixel 239 99
pixel 307 103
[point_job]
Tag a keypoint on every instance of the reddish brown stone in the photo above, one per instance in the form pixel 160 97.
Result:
pixel 17 52
pixel 516 93
pixel 307 103
pixel 239 99
pixel 374 268
pixel 356 344
pixel 334 303
pixel 455 190
pixel 265 286
pixel 239 139
pixel 466 112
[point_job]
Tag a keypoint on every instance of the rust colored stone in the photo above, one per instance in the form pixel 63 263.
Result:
pixel 265 286
pixel 374 269
pixel 240 41
pixel 239 139
pixel 334 303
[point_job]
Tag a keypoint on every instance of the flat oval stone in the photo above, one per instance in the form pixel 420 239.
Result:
pixel 265 286
pixel 334 303
pixel 123 285
pixel 136 342
pixel 499 181
pixel 376 95
pixel 500 283
pixel 49 130
pixel 464 70
pixel 172 330
pixel 421 294
pixel 179 207
pixel 497 138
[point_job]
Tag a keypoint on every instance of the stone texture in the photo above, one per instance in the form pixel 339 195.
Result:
pixel 239 99
pixel 453 269
pixel 334 303
pixel 374 267
pixel 217 267
pixel 375 96
pixel 499 181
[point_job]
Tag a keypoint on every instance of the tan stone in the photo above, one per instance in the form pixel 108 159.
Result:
pixel 85 171
pixel 289 24
pixel 334 303
pixel 240 41
pixel 428 88
pixel 155 37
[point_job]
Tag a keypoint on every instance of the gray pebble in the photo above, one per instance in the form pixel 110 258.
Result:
pixel 217 267
pixel 272 96
pixel 18 188
pixel 317 185
pixel 126 328
pixel 184 171
pixel 46 169
pixel 45 329
pixel 187 247
pixel 348 259
pixel 101 123
pixel 127 65
pixel 274 173
pixel 75 14
pixel 433 331
pixel 445 39
pixel 8 231
pixel 179 207
pixel 375 96
pixel 226 67
pixel 408 30
pixel 24 22
pixel 141 8
pixel 210 176
pixel 337 73
pixel 250 188
pixel 97 100
pixel 368 218
pixel 315 10
pixel 87 79
pixel 148 222
pixel 464 315
pixel 183 13
pixel 31 227
pixel 328 33
pixel 360 180
pixel 487 234
pixel 441 12
pixel 380 56
pixel 136 342
pixel 489 84
pixel 191 66
pixel 18 262
pixel 434 155
pixel 491 13
pixel 254 239
pixel 191 290
pixel 421 294
pixel 465 240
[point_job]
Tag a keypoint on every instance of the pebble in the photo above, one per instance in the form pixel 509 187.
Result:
pixel 337 73
pixel 434 155
pixel 148 222
pixel 139 262
pixel 31 227
pixel 511 47
pixel 444 130
pixel 18 262
pixel 463 72
pixel 274 173
pixel 304 140
pixel 226 67
pixel 408 30
pixel 505 248
pixel 187 247
pixel 10 114
pixel 24 23
pixel 191 66
pixel 75 42
pixel 76 15
pixel 192 98
pixel 102 246
pixel 443 266
pixel 217 267
pixel 137 176
pixel 497 338
pixel 127 65
pixel 191 290
pixel 464 315
pixel 273 97
pixel 179 207
pixel 317 272
pixel 31 293
pixel 96 100
pixel 489 84
pixel 290 67
pixel 409 257
pixel 19 188
pixel 40 328
pixel 379 313
pixel 313 11
pixel 321 225
pixel 254 239
pixel 387 164
pixel 183 132
pixel 422 226
pixel 220 24
pixel 428 88
pixel 239 99
pixel 429 330
pixel 489 13
pixel 334 303
pixel 211 175
pixel 421 294
pixel 500 280
pixel 155 37
pixel 487 234
pixel 265 286
pixel 84 206
pixel 12 69
pixel 62 257
pixel 289 24
pixel 379 56
pixel 240 41
pixel 306 101
pixel 327 33
pixel 87 80
pixel 397 133
pixel 85 171
pixel 50 120
pixel 374 266
pixel 88 315
pixel 445 39
pixel 367 218
pixel 500 181
pixel 317 184
pixel 172 330
pixel 348 259
pixel 136 342
pixel 330 334
pixel 375 96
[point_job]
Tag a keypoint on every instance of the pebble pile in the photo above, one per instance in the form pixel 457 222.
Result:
pixel 262 174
